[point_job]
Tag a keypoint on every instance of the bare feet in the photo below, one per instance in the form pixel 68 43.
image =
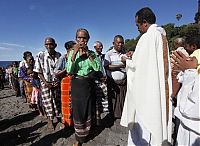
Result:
pixel 63 126
pixel 56 120
pixel 77 144
pixel 50 125
pixel 41 115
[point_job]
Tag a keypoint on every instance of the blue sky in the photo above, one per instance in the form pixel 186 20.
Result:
pixel 24 24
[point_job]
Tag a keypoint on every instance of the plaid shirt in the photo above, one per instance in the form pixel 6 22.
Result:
pixel 46 65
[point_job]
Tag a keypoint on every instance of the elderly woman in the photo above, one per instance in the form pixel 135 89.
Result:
pixel 81 63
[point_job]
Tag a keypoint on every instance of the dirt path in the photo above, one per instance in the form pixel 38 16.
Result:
pixel 21 126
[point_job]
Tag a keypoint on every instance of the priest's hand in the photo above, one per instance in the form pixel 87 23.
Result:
pixel 123 59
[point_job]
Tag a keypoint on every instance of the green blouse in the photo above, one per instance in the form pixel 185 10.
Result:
pixel 15 70
pixel 82 66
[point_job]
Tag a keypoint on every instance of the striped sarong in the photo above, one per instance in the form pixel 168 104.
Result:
pixel 66 101
pixel 101 97
pixel 50 100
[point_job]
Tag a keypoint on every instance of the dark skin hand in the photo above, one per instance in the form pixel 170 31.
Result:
pixel 61 74
pixel 83 49
pixel 129 55
pixel 123 59
pixel 50 85
pixel 182 62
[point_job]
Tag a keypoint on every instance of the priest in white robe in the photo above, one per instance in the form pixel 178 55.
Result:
pixel 147 106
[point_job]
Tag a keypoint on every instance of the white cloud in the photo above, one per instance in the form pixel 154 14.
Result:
pixel 11 45
pixel 4 48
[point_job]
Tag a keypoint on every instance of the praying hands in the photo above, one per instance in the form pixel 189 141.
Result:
pixel 183 62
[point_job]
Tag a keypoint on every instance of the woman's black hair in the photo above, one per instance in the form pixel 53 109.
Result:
pixel 68 45
pixel 27 53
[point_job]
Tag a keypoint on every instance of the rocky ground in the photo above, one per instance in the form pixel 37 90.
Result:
pixel 19 125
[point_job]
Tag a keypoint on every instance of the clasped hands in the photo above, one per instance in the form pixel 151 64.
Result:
pixel 51 85
pixel 181 62
pixel 82 48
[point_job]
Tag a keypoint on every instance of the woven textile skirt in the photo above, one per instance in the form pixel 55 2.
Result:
pixel 83 107
pixel 66 101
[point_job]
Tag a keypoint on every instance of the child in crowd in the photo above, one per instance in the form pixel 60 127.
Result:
pixel 36 92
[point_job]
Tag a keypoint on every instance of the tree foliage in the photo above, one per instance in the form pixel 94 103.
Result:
pixel 172 33
pixel 197 17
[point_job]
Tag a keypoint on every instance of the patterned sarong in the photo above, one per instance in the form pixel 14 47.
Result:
pixel 83 107
pixel 101 97
pixel 66 101
pixel 28 90
pixel 50 101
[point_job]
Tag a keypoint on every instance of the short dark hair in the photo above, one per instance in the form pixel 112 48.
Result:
pixel 118 36
pixel 85 30
pixel 50 38
pixel 68 45
pixel 193 40
pixel 27 53
pixel 146 14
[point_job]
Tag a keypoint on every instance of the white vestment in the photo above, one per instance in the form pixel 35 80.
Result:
pixel 145 95
pixel 188 110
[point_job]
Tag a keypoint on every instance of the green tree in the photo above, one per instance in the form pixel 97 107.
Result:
pixel 130 44
pixel 172 33
pixel 197 18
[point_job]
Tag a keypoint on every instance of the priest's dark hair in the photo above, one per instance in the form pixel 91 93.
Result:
pixel 146 14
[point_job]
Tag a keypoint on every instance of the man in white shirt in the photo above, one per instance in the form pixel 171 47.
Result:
pixel 116 73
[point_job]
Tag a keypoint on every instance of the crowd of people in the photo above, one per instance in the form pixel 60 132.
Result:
pixel 140 87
